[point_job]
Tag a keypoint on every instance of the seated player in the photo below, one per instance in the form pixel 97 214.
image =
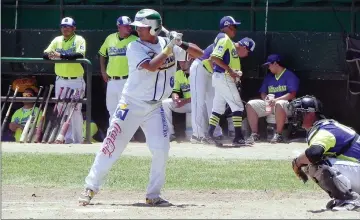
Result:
pixel 283 84
pixel 333 157
pixel 175 103
pixel 20 116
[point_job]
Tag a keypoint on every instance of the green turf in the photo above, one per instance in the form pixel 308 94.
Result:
pixel 132 173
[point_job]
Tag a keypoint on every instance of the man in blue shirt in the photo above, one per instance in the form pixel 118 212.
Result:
pixel 283 84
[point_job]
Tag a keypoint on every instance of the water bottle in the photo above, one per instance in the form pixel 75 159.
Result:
pixel 268 98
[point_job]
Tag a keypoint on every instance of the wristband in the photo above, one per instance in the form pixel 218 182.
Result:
pixel 184 45
pixel 167 51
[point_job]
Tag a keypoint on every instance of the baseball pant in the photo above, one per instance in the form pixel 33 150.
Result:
pixel 113 94
pixel 225 92
pixel 129 115
pixel 169 107
pixel 74 133
pixel 349 169
pixel 259 107
pixel 202 95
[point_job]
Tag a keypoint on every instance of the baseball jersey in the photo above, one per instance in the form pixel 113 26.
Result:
pixel 114 48
pixel 205 58
pixel 333 136
pixel 225 49
pixel 20 117
pixel 286 82
pixel 182 83
pixel 143 84
pixel 75 44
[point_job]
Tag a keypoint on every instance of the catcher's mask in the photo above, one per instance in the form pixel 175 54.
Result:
pixel 301 106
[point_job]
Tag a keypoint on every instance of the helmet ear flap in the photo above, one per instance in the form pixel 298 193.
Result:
pixel 155 31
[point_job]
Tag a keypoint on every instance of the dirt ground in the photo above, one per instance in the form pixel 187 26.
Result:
pixel 54 203
pixel 57 203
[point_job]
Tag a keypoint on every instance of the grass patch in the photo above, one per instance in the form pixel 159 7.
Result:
pixel 131 173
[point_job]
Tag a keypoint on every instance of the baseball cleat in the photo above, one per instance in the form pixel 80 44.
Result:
pixel 195 140
pixel 239 142
pixel 277 138
pixel 86 197
pixel 254 137
pixel 158 202
pixel 211 141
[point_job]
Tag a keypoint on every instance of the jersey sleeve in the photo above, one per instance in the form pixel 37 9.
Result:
pixel 179 53
pixel 177 82
pixel 293 83
pixel 136 55
pixel 103 48
pixel 323 138
pixel 51 47
pixel 81 46
pixel 220 48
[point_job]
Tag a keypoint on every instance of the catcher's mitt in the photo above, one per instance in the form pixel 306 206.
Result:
pixel 299 172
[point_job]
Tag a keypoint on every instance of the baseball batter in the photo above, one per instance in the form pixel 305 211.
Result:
pixel 69 46
pixel 116 71
pixel 152 64
pixel 226 72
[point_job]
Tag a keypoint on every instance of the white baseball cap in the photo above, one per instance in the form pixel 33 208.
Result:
pixel 67 21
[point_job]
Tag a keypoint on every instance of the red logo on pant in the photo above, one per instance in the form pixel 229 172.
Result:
pixel 109 142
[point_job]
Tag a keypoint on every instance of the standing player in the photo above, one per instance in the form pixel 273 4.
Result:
pixel 175 103
pixel 226 72
pixel 202 93
pixel 152 64
pixel 116 71
pixel 69 46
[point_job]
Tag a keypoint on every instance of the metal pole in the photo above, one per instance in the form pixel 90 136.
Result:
pixel 88 102
pixel 61 9
pixel 353 18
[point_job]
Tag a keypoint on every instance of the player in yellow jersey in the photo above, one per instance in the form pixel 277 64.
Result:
pixel 116 71
pixel 69 46
pixel 20 116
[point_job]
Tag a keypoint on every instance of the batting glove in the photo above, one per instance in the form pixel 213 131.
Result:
pixel 176 36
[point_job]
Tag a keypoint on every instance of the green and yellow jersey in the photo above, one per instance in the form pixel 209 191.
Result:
pixel 20 117
pixel 114 48
pixel 75 44
pixel 182 83
pixel 225 49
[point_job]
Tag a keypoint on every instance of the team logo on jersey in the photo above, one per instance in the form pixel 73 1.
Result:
pixel 168 63
pixel 109 142
pixel 151 54
pixel 185 87
pixel 234 53
pixel 220 49
pixel 172 82
pixel 113 51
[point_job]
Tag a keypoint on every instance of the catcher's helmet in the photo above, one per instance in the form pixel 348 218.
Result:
pixel 148 18
pixel 303 105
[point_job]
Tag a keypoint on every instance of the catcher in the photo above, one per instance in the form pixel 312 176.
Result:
pixel 333 157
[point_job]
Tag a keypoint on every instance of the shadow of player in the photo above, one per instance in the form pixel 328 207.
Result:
pixel 141 204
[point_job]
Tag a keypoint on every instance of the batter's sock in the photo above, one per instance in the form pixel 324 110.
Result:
pixel 237 120
pixel 213 122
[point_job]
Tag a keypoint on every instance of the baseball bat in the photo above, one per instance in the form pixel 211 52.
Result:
pixel 42 119
pixel 33 125
pixel 60 117
pixel 163 29
pixel 53 115
pixel 8 111
pixel 61 136
pixel 26 129
pixel 6 99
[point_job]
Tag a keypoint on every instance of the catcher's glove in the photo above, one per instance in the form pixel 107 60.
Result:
pixel 299 172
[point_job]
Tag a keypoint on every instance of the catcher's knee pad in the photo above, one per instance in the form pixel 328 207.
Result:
pixel 332 181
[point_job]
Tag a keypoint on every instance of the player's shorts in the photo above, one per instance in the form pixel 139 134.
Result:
pixel 259 106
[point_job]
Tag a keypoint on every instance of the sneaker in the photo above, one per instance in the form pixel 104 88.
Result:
pixel 254 137
pixel 158 202
pixel 86 197
pixel 195 140
pixel 211 141
pixel 278 138
pixel 348 205
pixel 238 142
pixel 172 137
pixel 219 138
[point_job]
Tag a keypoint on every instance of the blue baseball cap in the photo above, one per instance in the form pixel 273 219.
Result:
pixel 227 21
pixel 67 21
pixel 123 20
pixel 272 58
pixel 248 43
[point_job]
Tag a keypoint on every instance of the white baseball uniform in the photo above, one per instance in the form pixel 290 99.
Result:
pixel 202 95
pixel 140 105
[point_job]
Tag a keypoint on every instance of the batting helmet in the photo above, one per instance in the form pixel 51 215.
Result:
pixel 148 18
